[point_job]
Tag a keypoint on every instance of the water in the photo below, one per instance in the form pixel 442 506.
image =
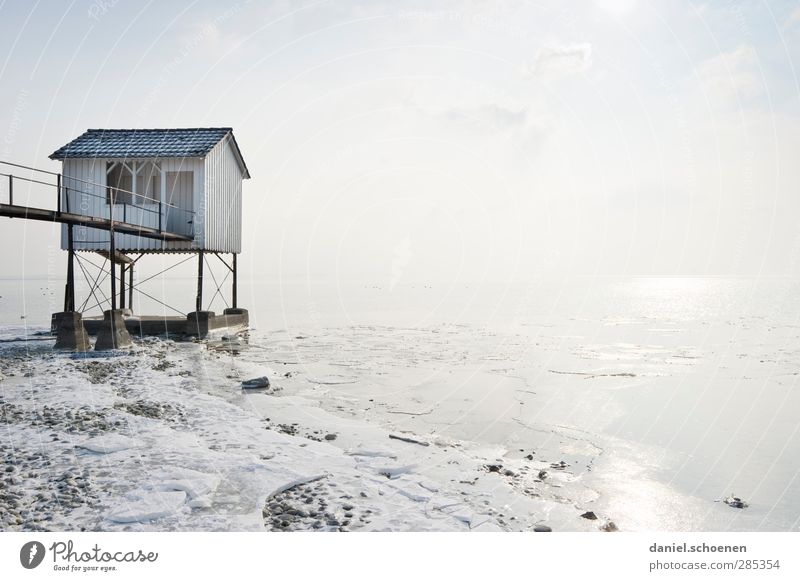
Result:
pixel 681 390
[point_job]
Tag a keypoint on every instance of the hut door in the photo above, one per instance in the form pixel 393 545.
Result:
pixel 180 196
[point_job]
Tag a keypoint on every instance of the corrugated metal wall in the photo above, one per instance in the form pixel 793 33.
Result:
pixel 223 211
pixel 90 200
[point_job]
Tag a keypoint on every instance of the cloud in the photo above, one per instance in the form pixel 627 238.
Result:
pixel 472 107
pixel 794 17
pixel 500 124
pixel 731 77
pixel 491 115
pixel 561 61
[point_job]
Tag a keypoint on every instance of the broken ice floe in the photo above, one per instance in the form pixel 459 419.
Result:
pixel 109 443
pixel 145 506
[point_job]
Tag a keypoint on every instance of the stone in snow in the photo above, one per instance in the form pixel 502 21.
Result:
pixel 735 502
pixel 610 527
pixel 256 383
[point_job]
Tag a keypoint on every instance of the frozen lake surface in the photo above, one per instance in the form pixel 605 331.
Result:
pixel 644 401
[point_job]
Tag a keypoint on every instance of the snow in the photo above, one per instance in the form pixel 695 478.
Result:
pixel 109 443
pixel 188 452
pixel 184 448
pixel 371 453
pixel 194 483
pixel 395 471
pixel 144 506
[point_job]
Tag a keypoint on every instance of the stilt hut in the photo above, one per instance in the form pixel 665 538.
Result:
pixel 151 191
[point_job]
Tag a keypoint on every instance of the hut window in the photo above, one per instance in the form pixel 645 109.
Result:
pixel 148 183
pixel 133 182
pixel 119 181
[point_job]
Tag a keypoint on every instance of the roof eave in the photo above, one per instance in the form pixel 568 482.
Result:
pixel 239 157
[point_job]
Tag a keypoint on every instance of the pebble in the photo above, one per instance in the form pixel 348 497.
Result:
pixel 610 527
pixel 542 529
pixel 256 383
pixel 735 502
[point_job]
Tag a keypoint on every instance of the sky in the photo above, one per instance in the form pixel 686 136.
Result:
pixel 396 142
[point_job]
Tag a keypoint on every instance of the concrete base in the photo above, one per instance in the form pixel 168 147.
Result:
pixel 112 333
pixel 70 333
pixel 201 323
pixel 236 318
pixel 194 325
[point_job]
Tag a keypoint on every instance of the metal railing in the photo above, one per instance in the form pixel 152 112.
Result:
pixel 110 198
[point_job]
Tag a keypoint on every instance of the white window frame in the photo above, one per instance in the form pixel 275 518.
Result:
pixel 134 167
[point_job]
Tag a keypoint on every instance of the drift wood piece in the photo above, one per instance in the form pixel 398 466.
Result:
pixel 409 440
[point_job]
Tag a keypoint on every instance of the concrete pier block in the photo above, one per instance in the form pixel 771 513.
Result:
pixel 112 334
pixel 70 333
pixel 198 323
pixel 236 317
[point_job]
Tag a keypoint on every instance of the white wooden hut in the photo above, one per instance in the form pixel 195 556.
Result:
pixel 183 181
pixel 150 191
